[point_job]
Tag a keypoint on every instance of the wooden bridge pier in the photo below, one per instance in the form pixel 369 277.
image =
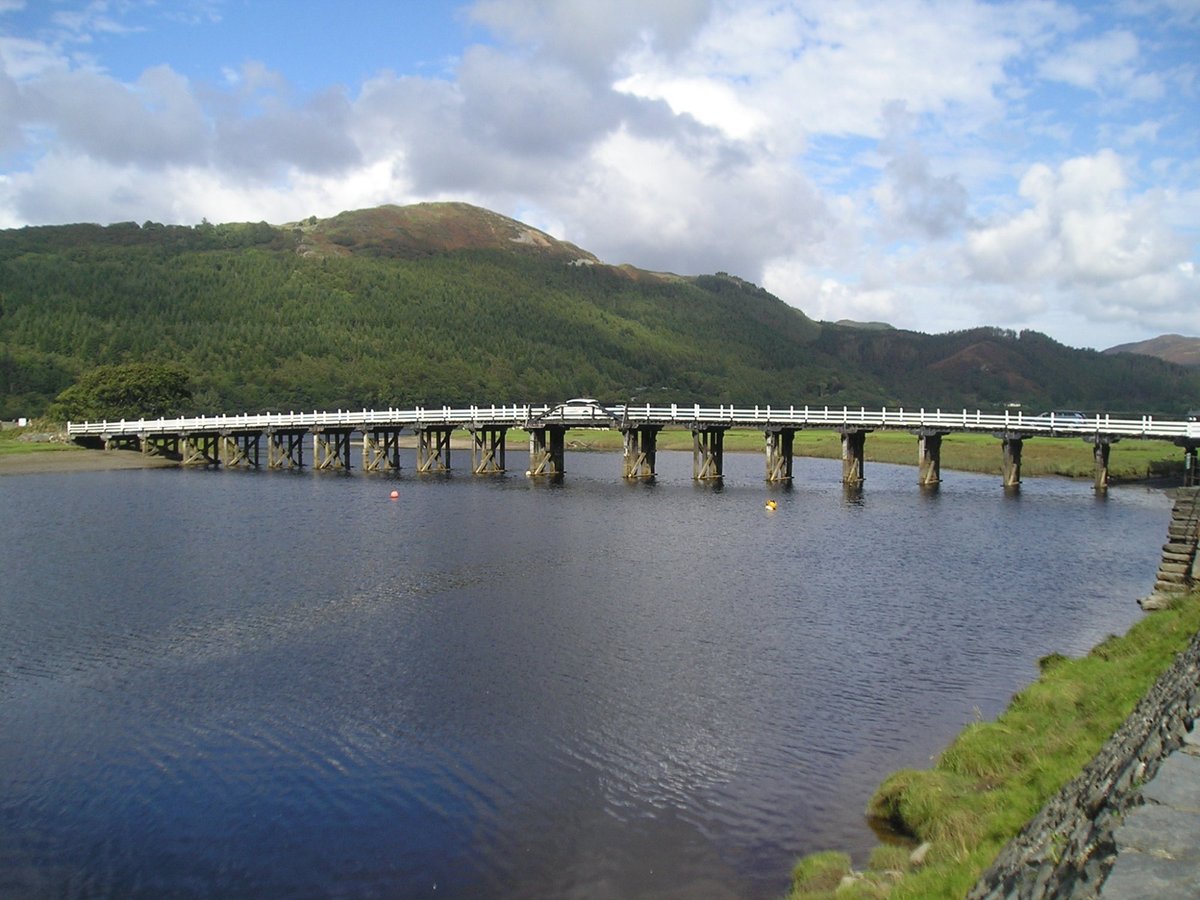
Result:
pixel 160 445
pixel 929 456
pixel 779 444
pixel 331 448
pixel 854 444
pixel 708 446
pixel 487 450
pixel 121 442
pixel 239 448
pixel 433 449
pixel 640 451
pixel 199 449
pixel 1010 464
pixel 381 450
pixel 1191 462
pixel 1100 450
pixel 285 448
pixel 547 451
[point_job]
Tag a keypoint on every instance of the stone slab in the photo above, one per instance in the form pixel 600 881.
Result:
pixel 1161 831
pixel 1177 783
pixel 1140 876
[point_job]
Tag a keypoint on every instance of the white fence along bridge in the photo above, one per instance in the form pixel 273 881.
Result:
pixel 235 440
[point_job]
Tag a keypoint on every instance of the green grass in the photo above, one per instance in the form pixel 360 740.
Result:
pixel 995 776
pixel 12 444
pixel 1070 457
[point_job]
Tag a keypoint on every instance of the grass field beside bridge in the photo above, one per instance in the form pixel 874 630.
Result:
pixel 1131 460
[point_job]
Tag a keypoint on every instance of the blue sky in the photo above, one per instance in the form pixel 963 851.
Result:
pixel 935 164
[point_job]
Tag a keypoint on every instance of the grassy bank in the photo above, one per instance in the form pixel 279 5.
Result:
pixel 996 775
pixel 17 440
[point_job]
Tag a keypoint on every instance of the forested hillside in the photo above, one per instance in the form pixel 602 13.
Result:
pixel 446 303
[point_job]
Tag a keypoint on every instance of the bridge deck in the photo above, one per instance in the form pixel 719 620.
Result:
pixel 676 415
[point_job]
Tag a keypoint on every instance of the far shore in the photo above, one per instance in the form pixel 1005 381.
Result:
pixel 41 462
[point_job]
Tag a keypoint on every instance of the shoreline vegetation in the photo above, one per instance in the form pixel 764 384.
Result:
pixel 995 776
pixel 41 450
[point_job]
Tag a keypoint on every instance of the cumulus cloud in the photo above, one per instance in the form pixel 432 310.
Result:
pixel 911 196
pixel 690 136
pixel 1083 232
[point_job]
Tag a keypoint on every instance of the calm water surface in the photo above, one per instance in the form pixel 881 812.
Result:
pixel 287 685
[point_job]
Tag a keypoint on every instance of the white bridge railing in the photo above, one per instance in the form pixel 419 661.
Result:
pixel 595 415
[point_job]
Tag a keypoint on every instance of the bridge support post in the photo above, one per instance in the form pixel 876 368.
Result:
pixel 199 449
pixel 779 444
pixel 854 446
pixel 1191 466
pixel 121 442
pixel 433 449
pixel 239 449
pixel 708 452
pixel 547 451
pixel 641 450
pixel 381 450
pixel 929 456
pixel 285 449
pixel 487 450
pixel 1010 465
pixel 1100 450
pixel 160 445
pixel 331 449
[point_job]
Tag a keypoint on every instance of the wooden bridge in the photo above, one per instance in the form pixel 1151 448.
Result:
pixel 236 440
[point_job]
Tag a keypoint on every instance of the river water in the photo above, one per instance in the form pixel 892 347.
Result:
pixel 271 684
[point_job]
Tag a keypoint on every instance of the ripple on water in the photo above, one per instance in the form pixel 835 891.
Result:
pixel 250 684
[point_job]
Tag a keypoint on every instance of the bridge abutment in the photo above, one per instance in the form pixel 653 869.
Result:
pixel 708 450
pixel 640 451
pixel 779 445
pixel 547 451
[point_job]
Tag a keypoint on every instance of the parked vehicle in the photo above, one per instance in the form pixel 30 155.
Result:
pixel 1064 417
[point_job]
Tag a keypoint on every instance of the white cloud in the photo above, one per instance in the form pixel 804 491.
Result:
pixel 692 136
pixel 1080 228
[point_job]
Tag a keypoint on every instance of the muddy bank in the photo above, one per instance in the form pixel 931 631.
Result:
pixel 38 462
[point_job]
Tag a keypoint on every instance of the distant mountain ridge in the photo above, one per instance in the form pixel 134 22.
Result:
pixel 1175 348
pixel 448 303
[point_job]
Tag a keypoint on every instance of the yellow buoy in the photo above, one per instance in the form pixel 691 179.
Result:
pixel 771 504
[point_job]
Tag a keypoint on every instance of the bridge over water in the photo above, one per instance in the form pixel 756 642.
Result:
pixel 236 440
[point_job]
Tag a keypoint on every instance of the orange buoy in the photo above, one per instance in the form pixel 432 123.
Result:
pixel 395 495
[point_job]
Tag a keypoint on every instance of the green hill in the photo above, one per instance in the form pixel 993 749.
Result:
pixel 447 303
